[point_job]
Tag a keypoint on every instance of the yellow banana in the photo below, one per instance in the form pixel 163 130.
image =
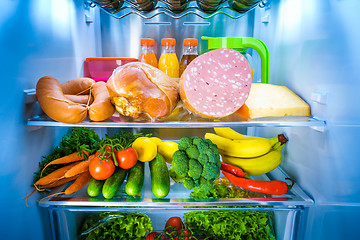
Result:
pixel 228 133
pixel 245 148
pixel 259 165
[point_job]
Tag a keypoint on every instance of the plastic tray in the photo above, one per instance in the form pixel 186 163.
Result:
pixel 101 68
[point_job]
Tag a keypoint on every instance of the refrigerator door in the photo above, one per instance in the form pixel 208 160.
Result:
pixel 37 38
pixel 314 51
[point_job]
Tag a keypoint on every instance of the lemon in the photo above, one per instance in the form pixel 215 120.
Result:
pixel 156 140
pixel 167 149
pixel 145 148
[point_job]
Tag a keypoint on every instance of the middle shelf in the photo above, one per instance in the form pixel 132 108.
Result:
pixel 179 198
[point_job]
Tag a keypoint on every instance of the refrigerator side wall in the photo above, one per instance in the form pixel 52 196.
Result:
pixel 314 51
pixel 37 38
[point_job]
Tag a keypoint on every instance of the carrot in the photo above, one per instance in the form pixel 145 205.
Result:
pixel 79 167
pixel 57 183
pixel 81 181
pixel 55 175
pixel 73 157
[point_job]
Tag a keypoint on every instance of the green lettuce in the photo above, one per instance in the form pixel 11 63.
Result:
pixel 250 225
pixel 114 225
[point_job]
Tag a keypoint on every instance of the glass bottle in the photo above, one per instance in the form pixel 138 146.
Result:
pixel 168 62
pixel 147 53
pixel 190 52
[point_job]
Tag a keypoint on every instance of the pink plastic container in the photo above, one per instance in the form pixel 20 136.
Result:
pixel 101 68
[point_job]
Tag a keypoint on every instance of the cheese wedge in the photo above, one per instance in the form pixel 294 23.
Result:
pixel 267 100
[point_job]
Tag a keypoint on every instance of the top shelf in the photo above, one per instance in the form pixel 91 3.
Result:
pixel 117 122
pixel 39 119
pixel 177 9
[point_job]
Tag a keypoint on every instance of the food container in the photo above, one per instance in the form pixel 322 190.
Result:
pixel 101 68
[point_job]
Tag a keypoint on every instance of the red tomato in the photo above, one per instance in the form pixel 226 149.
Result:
pixel 186 234
pixel 101 169
pixel 151 236
pixel 127 158
pixel 104 153
pixel 174 223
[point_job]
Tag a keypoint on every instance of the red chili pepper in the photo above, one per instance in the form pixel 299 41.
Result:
pixel 232 169
pixel 268 187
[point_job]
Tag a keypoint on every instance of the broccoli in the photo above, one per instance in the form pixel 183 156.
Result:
pixel 196 164
pixel 184 143
pixel 204 185
pixel 196 140
pixel 213 156
pixel 192 152
pixel 189 183
pixel 203 158
pixel 180 163
pixel 195 169
pixel 202 147
pixel 210 171
pixel 176 177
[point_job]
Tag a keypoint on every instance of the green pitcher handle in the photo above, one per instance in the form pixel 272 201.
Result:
pixel 243 43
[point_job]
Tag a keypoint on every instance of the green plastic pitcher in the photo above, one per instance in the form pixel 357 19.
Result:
pixel 243 43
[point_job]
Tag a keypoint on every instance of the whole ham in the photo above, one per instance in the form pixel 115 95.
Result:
pixel 142 91
pixel 216 84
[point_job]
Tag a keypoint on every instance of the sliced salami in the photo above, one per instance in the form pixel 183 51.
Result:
pixel 216 84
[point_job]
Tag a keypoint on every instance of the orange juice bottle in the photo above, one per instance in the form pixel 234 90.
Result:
pixel 190 52
pixel 147 53
pixel 168 62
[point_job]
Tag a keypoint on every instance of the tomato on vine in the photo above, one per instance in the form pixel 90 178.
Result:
pixel 127 158
pixel 101 169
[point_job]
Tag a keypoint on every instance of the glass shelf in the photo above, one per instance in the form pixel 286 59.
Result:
pixel 118 122
pixel 39 119
pixel 179 197
pixel 174 8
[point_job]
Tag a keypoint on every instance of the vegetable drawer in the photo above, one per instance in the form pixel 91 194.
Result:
pixel 259 222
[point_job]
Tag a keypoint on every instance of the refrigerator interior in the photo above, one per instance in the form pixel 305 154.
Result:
pixel 313 50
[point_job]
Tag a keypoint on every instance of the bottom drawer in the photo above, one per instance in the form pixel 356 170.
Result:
pixel 216 223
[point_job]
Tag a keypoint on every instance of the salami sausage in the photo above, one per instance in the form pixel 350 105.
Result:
pixel 53 102
pixel 77 86
pixel 101 108
pixel 216 84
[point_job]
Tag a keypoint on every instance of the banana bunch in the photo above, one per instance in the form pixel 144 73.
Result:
pixel 254 155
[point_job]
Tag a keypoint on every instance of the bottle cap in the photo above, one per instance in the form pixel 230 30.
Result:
pixel 147 41
pixel 190 42
pixel 168 42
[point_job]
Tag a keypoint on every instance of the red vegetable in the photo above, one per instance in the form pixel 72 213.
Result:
pixel 101 169
pixel 127 158
pixel 232 169
pixel 267 187
pixel 185 234
pixel 174 223
pixel 151 236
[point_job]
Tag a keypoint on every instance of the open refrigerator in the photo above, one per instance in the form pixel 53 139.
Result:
pixel 313 51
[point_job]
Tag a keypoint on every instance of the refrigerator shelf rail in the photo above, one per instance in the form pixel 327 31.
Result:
pixel 176 9
pixel 178 198
pixel 37 118
pixel 117 122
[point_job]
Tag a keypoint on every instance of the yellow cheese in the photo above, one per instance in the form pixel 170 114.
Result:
pixel 267 100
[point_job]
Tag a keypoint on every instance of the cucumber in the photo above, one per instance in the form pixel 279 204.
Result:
pixel 113 183
pixel 94 188
pixel 160 177
pixel 135 180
